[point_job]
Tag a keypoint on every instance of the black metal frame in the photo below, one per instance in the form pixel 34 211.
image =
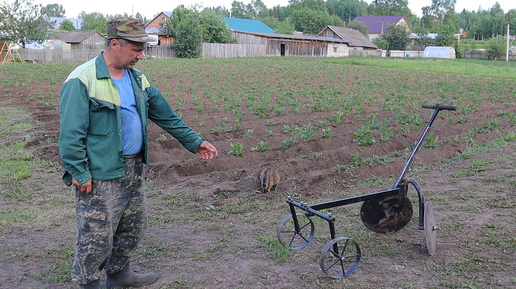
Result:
pixel 399 189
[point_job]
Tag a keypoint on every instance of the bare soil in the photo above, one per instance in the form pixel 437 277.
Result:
pixel 191 246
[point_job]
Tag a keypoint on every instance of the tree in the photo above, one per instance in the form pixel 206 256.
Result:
pixel 311 16
pixel 381 43
pixel 439 9
pixel 21 22
pixel 396 36
pixel 214 29
pixel 447 32
pixel 259 8
pixel 188 32
pixel 495 48
pixel 239 10
pixel 313 21
pixel 360 26
pixel 278 12
pixel 347 10
pixel 285 28
pixel 389 7
pixel 93 21
pixel 66 25
pixel 53 10
pixel 220 11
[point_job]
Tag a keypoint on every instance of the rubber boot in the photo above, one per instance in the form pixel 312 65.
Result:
pixel 93 285
pixel 127 278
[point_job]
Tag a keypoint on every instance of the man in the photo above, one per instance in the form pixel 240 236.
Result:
pixel 105 106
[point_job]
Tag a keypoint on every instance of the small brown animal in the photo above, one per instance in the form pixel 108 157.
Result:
pixel 269 180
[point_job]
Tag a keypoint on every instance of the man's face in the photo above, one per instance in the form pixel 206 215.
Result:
pixel 129 53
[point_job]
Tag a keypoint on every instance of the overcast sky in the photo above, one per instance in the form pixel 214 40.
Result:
pixel 149 8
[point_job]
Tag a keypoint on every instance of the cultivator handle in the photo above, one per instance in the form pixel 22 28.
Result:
pixel 436 107
pixel 439 106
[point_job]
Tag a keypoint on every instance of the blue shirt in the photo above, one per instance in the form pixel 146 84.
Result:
pixel 132 134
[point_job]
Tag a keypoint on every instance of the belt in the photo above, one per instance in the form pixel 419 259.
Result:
pixel 131 156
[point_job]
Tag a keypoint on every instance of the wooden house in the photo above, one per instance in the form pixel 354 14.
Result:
pixel 80 39
pixel 378 24
pixel 289 45
pixel 155 28
pixel 332 41
pixel 255 32
pixel 356 41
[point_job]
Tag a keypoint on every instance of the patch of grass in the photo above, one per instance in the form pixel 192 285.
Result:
pixel 60 258
pixel 16 215
pixel 277 252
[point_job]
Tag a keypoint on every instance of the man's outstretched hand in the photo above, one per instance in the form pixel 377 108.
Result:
pixel 207 151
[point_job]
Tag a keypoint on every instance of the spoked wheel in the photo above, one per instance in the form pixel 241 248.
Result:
pixel 430 229
pixel 386 215
pixel 296 237
pixel 340 257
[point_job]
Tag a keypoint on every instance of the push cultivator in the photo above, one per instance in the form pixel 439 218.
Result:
pixel 383 211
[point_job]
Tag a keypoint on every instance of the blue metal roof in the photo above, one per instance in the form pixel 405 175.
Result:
pixel 247 25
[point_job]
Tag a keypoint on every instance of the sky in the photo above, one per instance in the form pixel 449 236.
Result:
pixel 150 8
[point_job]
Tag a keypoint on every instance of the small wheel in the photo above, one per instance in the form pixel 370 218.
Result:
pixel 430 229
pixel 340 257
pixel 292 238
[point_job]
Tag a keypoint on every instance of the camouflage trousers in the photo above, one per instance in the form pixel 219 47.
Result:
pixel 110 223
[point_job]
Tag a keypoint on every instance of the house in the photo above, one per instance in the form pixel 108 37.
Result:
pixel 332 41
pixel 356 41
pixel 247 25
pixel 378 24
pixel 258 34
pixel 275 44
pixel 155 25
pixel 81 39
pixel 154 28
pixel 55 22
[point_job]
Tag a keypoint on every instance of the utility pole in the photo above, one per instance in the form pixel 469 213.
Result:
pixel 508 36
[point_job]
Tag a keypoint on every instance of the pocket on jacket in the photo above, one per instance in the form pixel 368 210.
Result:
pixel 102 117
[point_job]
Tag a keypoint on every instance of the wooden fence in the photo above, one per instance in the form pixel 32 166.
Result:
pixel 58 55
pixel 475 54
pixel 220 50
pixel 209 50
pixel 160 52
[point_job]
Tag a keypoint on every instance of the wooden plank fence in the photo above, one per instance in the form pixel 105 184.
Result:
pixel 221 50
pixel 209 50
pixel 58 55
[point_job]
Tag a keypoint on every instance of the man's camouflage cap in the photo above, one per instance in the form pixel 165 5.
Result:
pixel 128 28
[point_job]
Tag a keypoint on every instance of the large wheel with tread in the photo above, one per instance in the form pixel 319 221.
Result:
pixel 292 238
pixel 386 215
pixel 340 257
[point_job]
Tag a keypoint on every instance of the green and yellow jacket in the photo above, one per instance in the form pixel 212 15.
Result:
pixel 90 140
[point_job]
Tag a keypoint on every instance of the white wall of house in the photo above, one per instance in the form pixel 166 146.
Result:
pixel 340 49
